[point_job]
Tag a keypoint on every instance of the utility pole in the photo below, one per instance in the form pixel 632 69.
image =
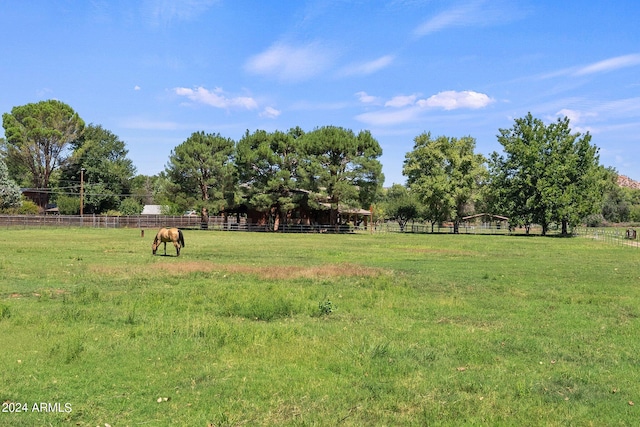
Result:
pixel 82 191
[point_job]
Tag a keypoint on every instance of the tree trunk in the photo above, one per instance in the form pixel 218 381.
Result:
pixel 564 227
pixel 204 219
pixel 276 221
pixel 333 216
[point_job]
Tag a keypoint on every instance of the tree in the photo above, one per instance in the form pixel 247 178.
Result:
pixel 401 205
pixel 616 203
pixel 107 170
pixel 38 137
pixel 68 205
pixel 10 195
pixel 343 166
pixel 546 174
pixel 145 189
pixel 267 165
pixel 202 170
pixel 130 206
pixel 445 175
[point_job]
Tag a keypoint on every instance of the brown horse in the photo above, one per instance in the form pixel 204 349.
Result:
pixel 168 235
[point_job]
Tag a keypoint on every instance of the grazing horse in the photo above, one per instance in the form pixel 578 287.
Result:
pixel 168 235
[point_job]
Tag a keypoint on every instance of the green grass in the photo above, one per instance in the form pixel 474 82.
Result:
pixel 303 330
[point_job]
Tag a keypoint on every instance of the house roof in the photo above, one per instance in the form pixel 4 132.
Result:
pixel 152 210
pixel 348 210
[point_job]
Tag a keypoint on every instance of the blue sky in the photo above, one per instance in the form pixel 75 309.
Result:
pixel 154 71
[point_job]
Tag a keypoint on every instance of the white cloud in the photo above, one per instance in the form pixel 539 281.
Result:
pixel 610 64
pixel 270 113
pixel 452 100
pixel 573 115
pixel 369 67
pixel 603 66
pixel 216 98
pixel 471 13
pixel 458 16
pixel 404 108
pixel 365 98
pixel 629 107
pixel 389 117
pixel 136 88
pixel 401 101
pixel 576 119
pixel 291 63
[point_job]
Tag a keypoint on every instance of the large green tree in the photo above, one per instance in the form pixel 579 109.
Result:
pixel 400 204
pixel 268 166
pixel 107 171
pixel 38 138
pixel 445 174
pixel 547 174
pixel 342 166
pixel 617 201
pixel 203 172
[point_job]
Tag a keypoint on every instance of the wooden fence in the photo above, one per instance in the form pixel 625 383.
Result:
pixel 153 222
pixel 99 221
pixel 611 235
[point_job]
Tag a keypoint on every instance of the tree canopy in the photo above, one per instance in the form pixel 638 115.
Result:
pixel 202 170
pixel 38 137
pixel 268 168
pixel 107 169
pixel 546 174
pixel 445 174
pixel 401 205
pixel 344 166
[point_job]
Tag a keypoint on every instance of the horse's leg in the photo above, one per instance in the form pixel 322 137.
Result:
pixel 165 248
pixel 177 245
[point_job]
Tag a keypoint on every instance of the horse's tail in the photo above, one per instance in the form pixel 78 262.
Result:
pixel 181 238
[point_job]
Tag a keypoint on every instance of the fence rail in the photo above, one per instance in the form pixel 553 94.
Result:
pixel 157 221
pixel 394 227
pixel 611 235
pixel 230 223
pixel 627 237
pixel 98 221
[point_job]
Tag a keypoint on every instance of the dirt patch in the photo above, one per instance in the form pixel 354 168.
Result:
pixel 279 272
pixel 441 251
pixel 276 272
pixel 52 293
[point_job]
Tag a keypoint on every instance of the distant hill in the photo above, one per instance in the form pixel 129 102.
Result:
pixel 625 181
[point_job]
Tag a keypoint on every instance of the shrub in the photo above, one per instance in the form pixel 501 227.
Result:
pixel 68 205
pixel 28 207
pixel 634 213
pixel 595 220
pixel 325 307
pixel 130 206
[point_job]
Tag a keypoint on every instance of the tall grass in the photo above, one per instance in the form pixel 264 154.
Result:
pixel 272 329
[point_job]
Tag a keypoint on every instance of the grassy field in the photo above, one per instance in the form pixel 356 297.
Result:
pixel 271 329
